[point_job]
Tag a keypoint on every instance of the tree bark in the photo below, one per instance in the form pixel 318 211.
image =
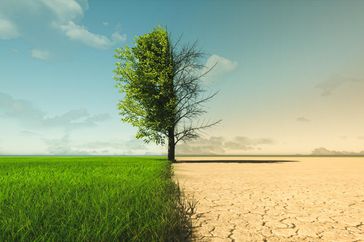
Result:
pixel 171 146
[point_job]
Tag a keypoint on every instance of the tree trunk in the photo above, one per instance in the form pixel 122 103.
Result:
pixel 171 146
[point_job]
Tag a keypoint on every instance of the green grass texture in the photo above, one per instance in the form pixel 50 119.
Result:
pixel 88 199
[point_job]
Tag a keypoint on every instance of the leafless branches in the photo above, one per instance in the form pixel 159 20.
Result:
pixel 187 74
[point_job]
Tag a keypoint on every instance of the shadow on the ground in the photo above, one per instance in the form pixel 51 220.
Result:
pixel 236 161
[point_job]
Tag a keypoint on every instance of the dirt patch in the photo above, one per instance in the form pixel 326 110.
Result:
pixel 275 198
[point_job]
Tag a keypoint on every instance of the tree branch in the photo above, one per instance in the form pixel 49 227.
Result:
pixel 191 132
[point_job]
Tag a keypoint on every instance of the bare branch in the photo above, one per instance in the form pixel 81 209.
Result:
pixel 192 132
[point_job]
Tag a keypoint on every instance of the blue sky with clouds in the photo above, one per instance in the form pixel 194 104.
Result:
pixel 289 74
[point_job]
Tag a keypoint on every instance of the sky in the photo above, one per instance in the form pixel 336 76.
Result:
pixel 290 74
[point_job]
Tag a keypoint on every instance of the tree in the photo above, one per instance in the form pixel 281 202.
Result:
pixel 160 82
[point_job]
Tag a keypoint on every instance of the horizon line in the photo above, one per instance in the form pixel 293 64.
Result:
pixel 189 155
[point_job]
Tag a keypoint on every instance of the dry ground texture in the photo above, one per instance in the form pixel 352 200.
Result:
pixel 275 199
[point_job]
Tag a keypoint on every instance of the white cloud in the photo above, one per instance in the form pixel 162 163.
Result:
pixel 63 15
pixel 80 33
pixel 67 12
pixel 220 65
pixel 8 29
pixel 117 37
pixel 64 9
pixel 40 54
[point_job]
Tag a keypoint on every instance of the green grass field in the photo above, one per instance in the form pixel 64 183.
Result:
pixel 88 199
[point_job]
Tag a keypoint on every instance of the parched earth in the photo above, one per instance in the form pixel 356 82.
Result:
pixel 275 198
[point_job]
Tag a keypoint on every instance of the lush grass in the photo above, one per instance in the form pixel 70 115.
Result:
pixel 88 199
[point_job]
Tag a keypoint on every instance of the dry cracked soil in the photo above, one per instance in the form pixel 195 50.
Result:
pixel 275 198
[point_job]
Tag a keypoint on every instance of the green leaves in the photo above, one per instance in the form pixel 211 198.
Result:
pixel 144 73
pixel 161 84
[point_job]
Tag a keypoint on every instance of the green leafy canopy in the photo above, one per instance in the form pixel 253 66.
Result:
pixel 161 84
pixel 144 73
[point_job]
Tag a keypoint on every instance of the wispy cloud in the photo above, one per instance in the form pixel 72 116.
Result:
pixel 117 37
pixel 64 10
pixel 76 118
pixel 26 113
pixel 62 146
pixel 245 143
pixel 220 65
pixel 68 12
pixel 80 33
pixel 62 15
pixel 29 133
pixel 8 29
pixel 18 108
pixel 329 86
pixel 131 146
pixel 324 151
pixel 219 145
pixel 208 146
pixel 303 119
pixel 65 146
pixel 40 54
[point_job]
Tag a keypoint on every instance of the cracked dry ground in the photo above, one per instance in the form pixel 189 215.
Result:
pixel 312 199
